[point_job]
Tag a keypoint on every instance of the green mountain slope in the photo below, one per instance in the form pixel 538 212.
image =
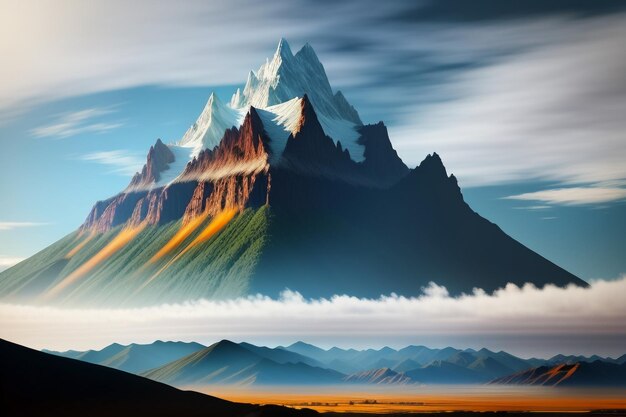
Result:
pixel 219 267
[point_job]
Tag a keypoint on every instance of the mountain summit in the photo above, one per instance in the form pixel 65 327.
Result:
pixel 284 187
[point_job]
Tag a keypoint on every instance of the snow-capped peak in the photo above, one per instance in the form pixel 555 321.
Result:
pixel 283 49
pixel 276 89
pixel 287 76
pixel 208 130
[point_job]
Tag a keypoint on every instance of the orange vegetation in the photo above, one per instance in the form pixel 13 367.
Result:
pixel 217 223
pixel 78 247
pixel 182 234
pixel 569 373
pixel 545 399
pixel 122 239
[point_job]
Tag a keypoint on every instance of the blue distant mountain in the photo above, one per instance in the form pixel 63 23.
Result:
pixel 228 363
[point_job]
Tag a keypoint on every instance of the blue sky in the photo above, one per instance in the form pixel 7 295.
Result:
pixel 521 99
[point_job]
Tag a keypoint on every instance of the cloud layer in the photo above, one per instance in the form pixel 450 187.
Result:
pixel 587 316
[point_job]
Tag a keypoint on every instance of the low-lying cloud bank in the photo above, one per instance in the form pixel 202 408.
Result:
pixel 594 318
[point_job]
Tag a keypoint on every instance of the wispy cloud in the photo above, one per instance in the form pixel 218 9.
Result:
pixel 503 94
pixel 78 122
pixel 532 208
pixel 121 161
pixel 572 196
pixel 527 115
pixel 9 261
pixel 509 315
pixel 17 225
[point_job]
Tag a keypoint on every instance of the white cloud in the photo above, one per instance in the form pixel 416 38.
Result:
pixel 74 123
pixel 574 195
pixel 510 314
pixel 539 207
pixel 121 161
pixel 17 225
pixel 9 261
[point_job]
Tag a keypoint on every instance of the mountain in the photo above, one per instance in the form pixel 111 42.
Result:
pixel 443 372
pixel 507 360
pixel 135 358
pixel 571 359
pixel 579 374
pixel 347 361
pixel 406 365
pixel 36 383
pixel 97 356
pixel 382 376
pixel 447 365
pixel 489 367
pixel 227 363
pixel 280 355
pixel 301 363
pixel 283 187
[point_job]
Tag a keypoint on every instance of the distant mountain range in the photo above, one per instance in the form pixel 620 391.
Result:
pixel 282 187
pixel 228 363
pixel 577 374
pixel 135 358
pixel 33 383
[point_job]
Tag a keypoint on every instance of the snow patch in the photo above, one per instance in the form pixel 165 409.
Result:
pixel 208 130
pixel 182 155
pixel 279 122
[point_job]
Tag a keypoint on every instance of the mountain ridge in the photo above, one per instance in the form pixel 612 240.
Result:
pixel 226 362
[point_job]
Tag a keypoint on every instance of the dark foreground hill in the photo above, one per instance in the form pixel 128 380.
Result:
pixel 33 383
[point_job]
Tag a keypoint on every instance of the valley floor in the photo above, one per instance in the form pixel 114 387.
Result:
pixel 384 400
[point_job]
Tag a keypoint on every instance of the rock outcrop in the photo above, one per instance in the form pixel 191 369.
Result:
pixel 159 158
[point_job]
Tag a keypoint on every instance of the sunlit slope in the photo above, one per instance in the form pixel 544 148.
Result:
pixel 214 260
pixel 34 274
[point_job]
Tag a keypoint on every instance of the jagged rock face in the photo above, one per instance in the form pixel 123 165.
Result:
pixel 228 176
pixel 309 149
pixel 159 158
pixel 198 201
pixel 112 212
pixel 381 160
pixel 241 151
